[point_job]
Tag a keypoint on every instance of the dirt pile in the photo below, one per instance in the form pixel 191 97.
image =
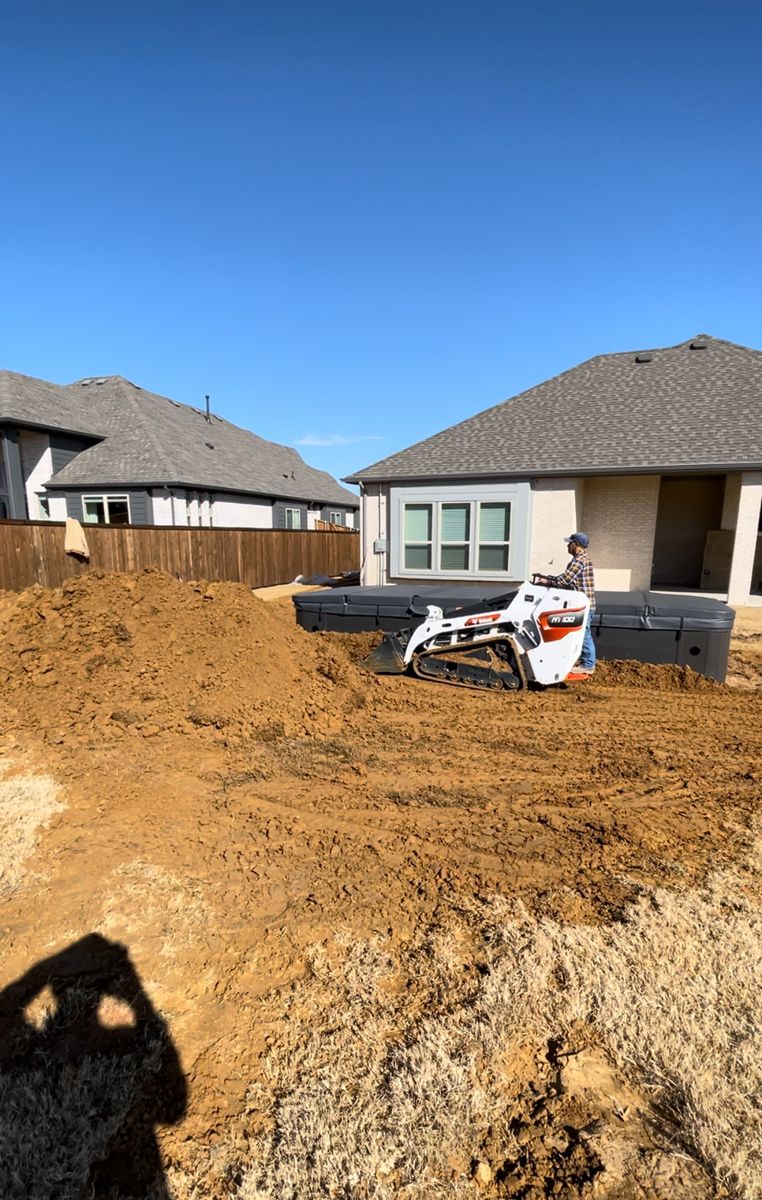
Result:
pixel 109 656
pixel 319 874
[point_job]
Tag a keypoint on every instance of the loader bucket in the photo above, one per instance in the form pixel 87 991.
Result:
pixel 388 657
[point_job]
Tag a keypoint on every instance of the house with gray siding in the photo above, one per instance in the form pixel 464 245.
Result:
pixel 655 454
pixel 106 451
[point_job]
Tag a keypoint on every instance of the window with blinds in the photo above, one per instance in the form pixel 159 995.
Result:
pixel 417 527
pixel 464 537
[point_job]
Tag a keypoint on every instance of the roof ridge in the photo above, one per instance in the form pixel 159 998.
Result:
pixel 145 425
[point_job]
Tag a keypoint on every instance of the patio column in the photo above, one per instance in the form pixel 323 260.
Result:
pixel 745 544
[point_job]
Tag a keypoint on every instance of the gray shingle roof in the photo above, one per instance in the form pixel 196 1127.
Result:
pixel 681 408
pixel 34 402
pixel 149 439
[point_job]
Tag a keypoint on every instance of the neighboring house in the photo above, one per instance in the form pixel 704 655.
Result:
pixel 656 454
pixel 105 451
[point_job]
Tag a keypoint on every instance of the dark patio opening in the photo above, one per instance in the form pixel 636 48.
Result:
pixel 689 506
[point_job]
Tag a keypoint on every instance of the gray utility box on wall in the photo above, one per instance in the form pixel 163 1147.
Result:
pixel 692 631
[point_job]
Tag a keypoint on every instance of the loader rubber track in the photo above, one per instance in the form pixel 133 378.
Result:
pixel 448 666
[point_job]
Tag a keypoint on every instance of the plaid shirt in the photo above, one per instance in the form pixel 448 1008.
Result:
pixel 578 576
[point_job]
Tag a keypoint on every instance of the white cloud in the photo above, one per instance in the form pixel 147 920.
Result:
pixel 336 439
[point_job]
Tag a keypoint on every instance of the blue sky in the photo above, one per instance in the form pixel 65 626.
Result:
pixel 368 219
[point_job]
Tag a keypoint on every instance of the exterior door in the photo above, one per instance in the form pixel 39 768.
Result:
pixel 689 506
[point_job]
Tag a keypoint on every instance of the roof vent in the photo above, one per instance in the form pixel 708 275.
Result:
pixel 210 445
pixel 643 357
pixel 699 344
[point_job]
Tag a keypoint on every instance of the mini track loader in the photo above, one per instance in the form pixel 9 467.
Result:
pixel 531 637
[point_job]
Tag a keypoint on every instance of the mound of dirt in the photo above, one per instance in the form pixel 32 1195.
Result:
pixel 662 677
pixel 105 655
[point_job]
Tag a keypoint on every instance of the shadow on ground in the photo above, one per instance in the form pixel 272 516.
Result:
pixel 87 1071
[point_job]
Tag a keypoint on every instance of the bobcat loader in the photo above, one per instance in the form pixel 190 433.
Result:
pixel 532 637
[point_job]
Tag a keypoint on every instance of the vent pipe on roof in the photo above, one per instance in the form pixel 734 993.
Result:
pixel 208 414
pixel 643 357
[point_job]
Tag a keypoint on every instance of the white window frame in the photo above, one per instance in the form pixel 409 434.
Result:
pixel 298 512
pixel 335 517
pixel 518 495
pixel 105 497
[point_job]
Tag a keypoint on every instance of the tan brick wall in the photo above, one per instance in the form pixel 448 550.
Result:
pixel 619 517
pixel 731 500
pixel 745 545
pixel 555 514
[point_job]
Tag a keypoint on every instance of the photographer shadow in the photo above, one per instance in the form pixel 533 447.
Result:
pixel 87 1071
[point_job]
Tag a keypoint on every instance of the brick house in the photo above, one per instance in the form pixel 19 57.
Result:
pixel 656 454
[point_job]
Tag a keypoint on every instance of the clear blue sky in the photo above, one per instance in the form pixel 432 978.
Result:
pixel 369 219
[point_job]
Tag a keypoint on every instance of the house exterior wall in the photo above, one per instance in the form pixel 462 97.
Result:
pixel 279 513
pixel 64 447
pixel 617 512
pixel 36 466
pixel 12 474
pixel 219 510
pixel 731 501
pixel 57 506
pixel 742 582
pixel 241 512
pixel 555 514
pixel 141 511
pixel 619 517
pixel 161 504
pixel 347 514
pixel 373 529
pixel 381 519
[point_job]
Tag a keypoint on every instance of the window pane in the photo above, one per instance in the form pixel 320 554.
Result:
pixel 493 558
pixel 94 512
pixel 3 508
pixel 454 558
pixel 118 512
pixel 417 522
pixel 417 558
pixel 494 522
pixel 293 518
pixel 456 519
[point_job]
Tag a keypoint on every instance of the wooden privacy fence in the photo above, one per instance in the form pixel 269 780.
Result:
pixel 33 552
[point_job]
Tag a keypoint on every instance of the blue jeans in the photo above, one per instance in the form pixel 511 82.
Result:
pixel 587 654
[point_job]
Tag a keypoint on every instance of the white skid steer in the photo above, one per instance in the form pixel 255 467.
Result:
pixel 531 637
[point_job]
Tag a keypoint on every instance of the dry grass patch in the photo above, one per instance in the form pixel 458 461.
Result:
pixel 145 901
pixel 27 804
pixel 361 1101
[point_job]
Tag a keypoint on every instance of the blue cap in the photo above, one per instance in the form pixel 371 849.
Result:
pixel 580 538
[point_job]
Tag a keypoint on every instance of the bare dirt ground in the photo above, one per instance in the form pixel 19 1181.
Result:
pixel 317 933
